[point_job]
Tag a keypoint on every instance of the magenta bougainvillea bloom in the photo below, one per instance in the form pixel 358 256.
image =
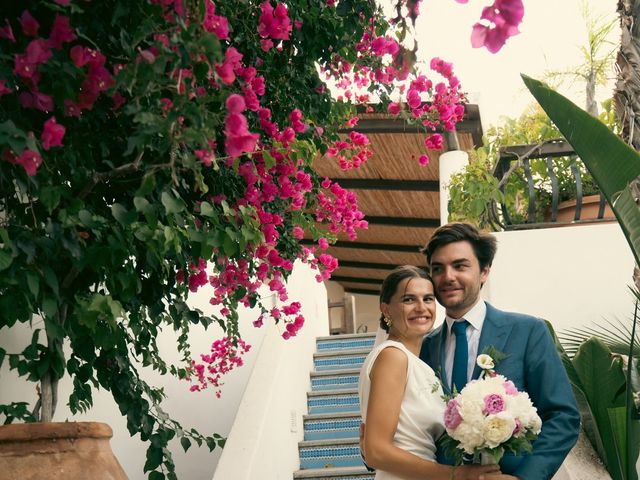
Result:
pixel 52 134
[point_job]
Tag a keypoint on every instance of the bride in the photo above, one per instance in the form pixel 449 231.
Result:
pixel 400 396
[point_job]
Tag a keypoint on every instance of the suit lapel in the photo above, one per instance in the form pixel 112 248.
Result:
pixel 495 331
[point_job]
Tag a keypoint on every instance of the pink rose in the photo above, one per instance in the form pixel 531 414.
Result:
pixel 493 403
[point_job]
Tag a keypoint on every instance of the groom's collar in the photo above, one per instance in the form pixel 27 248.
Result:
pixel 475 316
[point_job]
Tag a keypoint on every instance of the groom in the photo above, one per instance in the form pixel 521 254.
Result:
pixel 460 259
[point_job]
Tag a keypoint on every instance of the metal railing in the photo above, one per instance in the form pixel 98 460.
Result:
pixel 543 176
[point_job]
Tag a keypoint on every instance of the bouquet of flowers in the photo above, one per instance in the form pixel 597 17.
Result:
pixel 489 416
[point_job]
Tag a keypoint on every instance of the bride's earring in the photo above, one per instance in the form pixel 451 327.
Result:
pixel 388 321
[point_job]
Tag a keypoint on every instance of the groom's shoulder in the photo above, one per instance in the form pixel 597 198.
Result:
pixel 521 320
pixel 434 334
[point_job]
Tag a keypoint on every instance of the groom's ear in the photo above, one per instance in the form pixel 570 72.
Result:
pixel 484 274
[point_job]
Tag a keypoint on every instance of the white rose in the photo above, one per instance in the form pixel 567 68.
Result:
pixel 471 411
pixel 469 437
pixel 485 362
pixel 498 429
pixel 520 406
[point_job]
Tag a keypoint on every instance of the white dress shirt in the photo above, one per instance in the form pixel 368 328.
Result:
pixel 475 317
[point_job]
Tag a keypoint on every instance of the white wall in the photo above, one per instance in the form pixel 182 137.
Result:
pixel 572 276
pixel 201 410
pixel 263 442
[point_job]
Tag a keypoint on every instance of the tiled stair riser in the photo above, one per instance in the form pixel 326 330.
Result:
pixel 324 429
pixel 348 344
pixel 334 403
pixel 327 456
pixel 330 450
pixel 338 362
pixel 334 382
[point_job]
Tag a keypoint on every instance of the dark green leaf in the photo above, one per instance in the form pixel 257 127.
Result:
pixel 50 197
pixel 5 259
pixel 172 204
pixel 122 215
pixel 154 458
pixel 184 441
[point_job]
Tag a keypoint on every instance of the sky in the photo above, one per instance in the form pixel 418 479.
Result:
pixel 551 34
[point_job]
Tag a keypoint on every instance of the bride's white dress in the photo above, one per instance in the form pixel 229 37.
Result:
pixel 422 409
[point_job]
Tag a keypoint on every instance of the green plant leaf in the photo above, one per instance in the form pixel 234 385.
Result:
pixel 171 203
pixel 122 215
pixel 601 380
pixel 5 259
pixel 612 162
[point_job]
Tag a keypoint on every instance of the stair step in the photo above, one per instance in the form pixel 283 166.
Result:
pixel 329 453
pixel 342 473
pixel 330 380
pixel 331 426
pixel 333 401
pixel 342 360
pixel 345 342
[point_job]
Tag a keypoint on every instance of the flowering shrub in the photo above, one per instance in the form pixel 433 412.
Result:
pixel 152 148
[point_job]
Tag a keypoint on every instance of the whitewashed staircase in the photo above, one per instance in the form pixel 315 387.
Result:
pixel 330 447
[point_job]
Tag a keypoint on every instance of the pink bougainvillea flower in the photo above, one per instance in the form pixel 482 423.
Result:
pixel 118 100
pixel 6 32
pixel 37 100
pixel 61 32
pixel 274 23
pixel 216 24
pixel 29 24
pixel 30 161
pixel 393 108
pixel 235 103
pixel 266 44
pixel 38 51
pixel 80 55
pixel 413 98
pixel 298 232
pixel 4 90
pixel 295 117
pixel 52 134
pixel 498 22
pixel 423 160
pixel 23 68
pixel 434 142
pixel 71 108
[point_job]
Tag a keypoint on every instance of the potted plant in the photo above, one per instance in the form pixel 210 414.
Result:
pixel 478 192
pixel 151 148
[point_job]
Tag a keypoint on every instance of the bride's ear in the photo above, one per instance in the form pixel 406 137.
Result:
pixel 384 308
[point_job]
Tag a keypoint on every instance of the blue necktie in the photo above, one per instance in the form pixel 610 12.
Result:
pixel 461 356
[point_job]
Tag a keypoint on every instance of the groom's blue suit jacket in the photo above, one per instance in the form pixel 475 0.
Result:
pixel 533 364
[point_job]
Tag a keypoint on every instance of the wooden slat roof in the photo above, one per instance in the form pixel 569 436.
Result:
pixel 400 198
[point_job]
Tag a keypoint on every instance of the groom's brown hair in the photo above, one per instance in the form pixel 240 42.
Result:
pixel 484 245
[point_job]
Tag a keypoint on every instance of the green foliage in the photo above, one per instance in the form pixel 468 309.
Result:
pixel 611 162
pixel 615 167
pixel 93 242
pixel 476 193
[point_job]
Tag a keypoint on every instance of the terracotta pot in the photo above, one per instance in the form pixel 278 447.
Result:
pixel 590 208
pixel 58 451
